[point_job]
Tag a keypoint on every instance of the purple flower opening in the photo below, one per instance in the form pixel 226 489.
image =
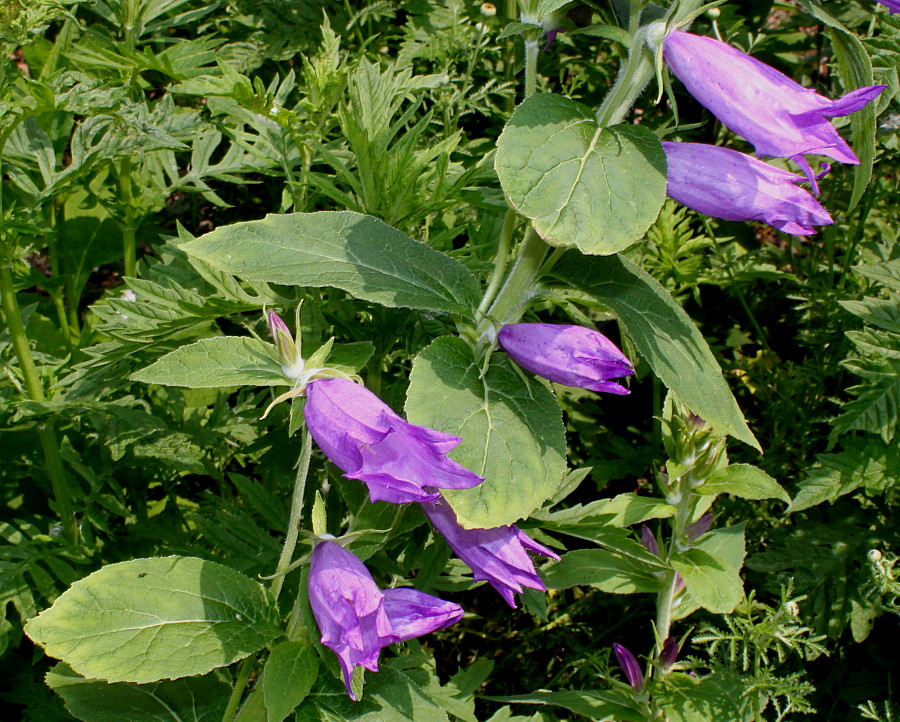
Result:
pixel 630 666
pixel 369 442
pixel 723 183
pixel 498 556
pixel 568 355
pixel 777 116
pixel 357 619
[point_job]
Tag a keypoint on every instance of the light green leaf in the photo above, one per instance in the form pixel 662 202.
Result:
pixel 289 675
pixel 710 580
pixel 596 189
pixel 157 618
pixel 713 697
pixel 662 333
pixel 217 362
pixel 511 429
pixel 745 481
pixel 599 705
pixel 194 699
pixel 359 254
pixel 611 572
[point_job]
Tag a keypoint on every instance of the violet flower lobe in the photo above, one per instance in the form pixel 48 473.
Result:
pixel 357 619
pixel 369 442
pixel 779 117
pixel 567 355
pixel 723 183
pixel 892 5
pixel 498 556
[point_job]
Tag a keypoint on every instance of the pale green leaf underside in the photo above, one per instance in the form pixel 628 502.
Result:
pixel 596 189
pixel 663 334
pixel 745 481
pixel 359 254
pixel 158 618
pixel 512 432
pixel 710 580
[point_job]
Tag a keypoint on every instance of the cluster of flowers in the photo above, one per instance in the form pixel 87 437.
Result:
pixel 779 117
pixel 400 463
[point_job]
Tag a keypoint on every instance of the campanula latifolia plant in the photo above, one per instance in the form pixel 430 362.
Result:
pixel 414 361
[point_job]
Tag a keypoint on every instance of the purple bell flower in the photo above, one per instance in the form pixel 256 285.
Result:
pixel 779 117
pixel 369 442
pixel 497 556
pixel 892 5
pixel 630 666
pixel 723 183
pixel 357 618
pixel 567 355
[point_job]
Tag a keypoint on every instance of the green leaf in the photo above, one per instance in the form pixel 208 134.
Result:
pixel 598 705
pixel 598 189
pixel 745 481
pixel 359 254
pixel 194 699
pixel 290 673
pixel 710 580
pixel 157 618
pixel 611 572
pixel 217 362
pixel 511 429
pixel 713 697
pixel 663 334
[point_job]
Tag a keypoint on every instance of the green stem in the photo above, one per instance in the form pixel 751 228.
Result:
pixel 62 492
pixel 500 262
pixel 293 530
pixel 128 230
pixel 633 77
pixel 664 608
pixel 71 326
pixel 532 48
pixel 240 684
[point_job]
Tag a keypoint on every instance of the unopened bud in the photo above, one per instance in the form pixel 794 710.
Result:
pixel 630 666
pixel 489 10
pixel 648 539
pixel 291 360
pixel 875 556
pixel 669 653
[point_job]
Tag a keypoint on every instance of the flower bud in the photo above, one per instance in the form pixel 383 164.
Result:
pixel 291 360
pixel 630 666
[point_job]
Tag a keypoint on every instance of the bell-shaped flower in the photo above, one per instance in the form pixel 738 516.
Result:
pixel 892 5
pixel 357 619
pixel 369 442
pixel 723 183
pixel 498 556
pixel 567 355
pixel 779 117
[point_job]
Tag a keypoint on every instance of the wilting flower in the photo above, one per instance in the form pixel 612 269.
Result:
pixel 630 666
pixel 497 556
pixel 723 183
pixel 779 117
pixel 357 618
pixel 568 355
pixel 892 5
pixel 369 442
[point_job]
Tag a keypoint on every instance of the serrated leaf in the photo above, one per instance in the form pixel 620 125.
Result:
pixel 598 189
pixel 359 254
pixel 710 580
pixel 289 675
pixel 744 481
pixel 713 697
pixel 511 430
pixel 217 362
pixel 194 699
pixel 663 334
pixel 876 407
pixel 158 618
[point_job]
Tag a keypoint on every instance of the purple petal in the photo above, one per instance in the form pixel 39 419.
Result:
pixel 892 5
pixel 568 355
pixel 648 539
pixel 630 666
pixel 413 613
pixel 669 653
pixel 723 183
pixel 498 556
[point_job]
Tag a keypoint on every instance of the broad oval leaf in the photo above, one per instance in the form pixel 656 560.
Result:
pixel 158 618
pixel 663 334
pixel 745 481
pixel 511 429
pixel 360 254
pixel 711 581
pixel 598 189
pixel 198 699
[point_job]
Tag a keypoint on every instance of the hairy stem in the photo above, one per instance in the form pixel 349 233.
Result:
pixel 500 262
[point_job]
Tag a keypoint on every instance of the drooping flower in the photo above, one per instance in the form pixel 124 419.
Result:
pixel 568 355
pixel 498 556
pixel 630 666
pixel 357 619
pixel 892 5
pixel 778 116
pixel 369 442
pixel 724 183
